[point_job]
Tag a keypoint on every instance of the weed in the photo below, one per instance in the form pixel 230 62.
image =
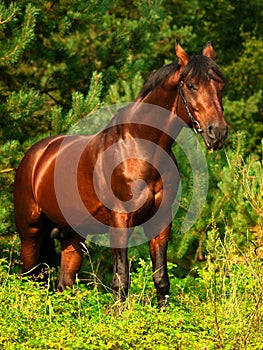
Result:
pixel 221 309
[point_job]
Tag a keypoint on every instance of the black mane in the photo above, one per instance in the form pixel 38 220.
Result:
pixel 158 78
pixel 199 68
pixel 202 68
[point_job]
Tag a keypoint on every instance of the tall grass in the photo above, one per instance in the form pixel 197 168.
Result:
pixel 221 309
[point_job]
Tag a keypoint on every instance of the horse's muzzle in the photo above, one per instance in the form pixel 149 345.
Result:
pixel 215 136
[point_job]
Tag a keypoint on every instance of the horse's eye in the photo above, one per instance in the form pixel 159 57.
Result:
pixel 190 86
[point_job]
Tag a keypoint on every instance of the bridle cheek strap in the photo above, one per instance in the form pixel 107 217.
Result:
pixel 196 126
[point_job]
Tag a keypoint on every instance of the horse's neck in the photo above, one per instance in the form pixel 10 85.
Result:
pixel 153 118
pixel 163 98
pixel 159 110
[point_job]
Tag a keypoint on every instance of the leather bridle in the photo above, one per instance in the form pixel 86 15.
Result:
pixel 196 126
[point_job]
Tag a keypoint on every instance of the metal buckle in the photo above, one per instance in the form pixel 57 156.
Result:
pixel 198 129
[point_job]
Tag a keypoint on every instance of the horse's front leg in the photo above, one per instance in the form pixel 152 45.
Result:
pixel 120 281
pixel 119 247
pixel 158 251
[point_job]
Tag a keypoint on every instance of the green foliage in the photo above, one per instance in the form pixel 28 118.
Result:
pixel 10 156
pixel 22 108
pixel 59 62
pixel 21 36
pixel 124 91
pixel 238 205
pixel 234 200
pixel 82 106
pixel 228 295
pixel 243 105
pixel 249 66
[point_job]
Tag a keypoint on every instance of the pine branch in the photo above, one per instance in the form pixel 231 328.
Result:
pixel 10 12
pixel 24 40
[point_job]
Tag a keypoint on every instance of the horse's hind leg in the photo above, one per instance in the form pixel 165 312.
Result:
pixel 30 248
pixel 32 225
pixel 34 231
pixel 37 248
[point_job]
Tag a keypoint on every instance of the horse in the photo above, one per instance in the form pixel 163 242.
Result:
pixel 56 192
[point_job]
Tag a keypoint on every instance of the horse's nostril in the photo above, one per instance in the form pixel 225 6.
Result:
pixel 212 131
pixel 217 133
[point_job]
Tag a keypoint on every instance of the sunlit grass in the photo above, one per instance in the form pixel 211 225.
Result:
pixel 221 309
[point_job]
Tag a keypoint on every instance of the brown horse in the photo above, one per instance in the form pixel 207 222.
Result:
pixel 57 193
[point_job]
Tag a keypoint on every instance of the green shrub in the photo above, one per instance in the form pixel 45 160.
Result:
pixel 221 309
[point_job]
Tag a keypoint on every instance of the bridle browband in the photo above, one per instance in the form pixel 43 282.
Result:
pixel 196 126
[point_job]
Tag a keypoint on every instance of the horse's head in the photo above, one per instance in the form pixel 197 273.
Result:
pixel 201 83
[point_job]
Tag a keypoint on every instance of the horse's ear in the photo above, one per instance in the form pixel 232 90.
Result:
pixel 183 58
pixel 208 50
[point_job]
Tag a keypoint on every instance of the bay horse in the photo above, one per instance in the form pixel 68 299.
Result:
pixel 58 172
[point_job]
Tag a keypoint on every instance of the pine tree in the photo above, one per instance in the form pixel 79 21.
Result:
pixel 61 60
pixel 58 61
pixel 17 33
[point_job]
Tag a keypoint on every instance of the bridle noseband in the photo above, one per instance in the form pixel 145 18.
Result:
pixel 196 126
